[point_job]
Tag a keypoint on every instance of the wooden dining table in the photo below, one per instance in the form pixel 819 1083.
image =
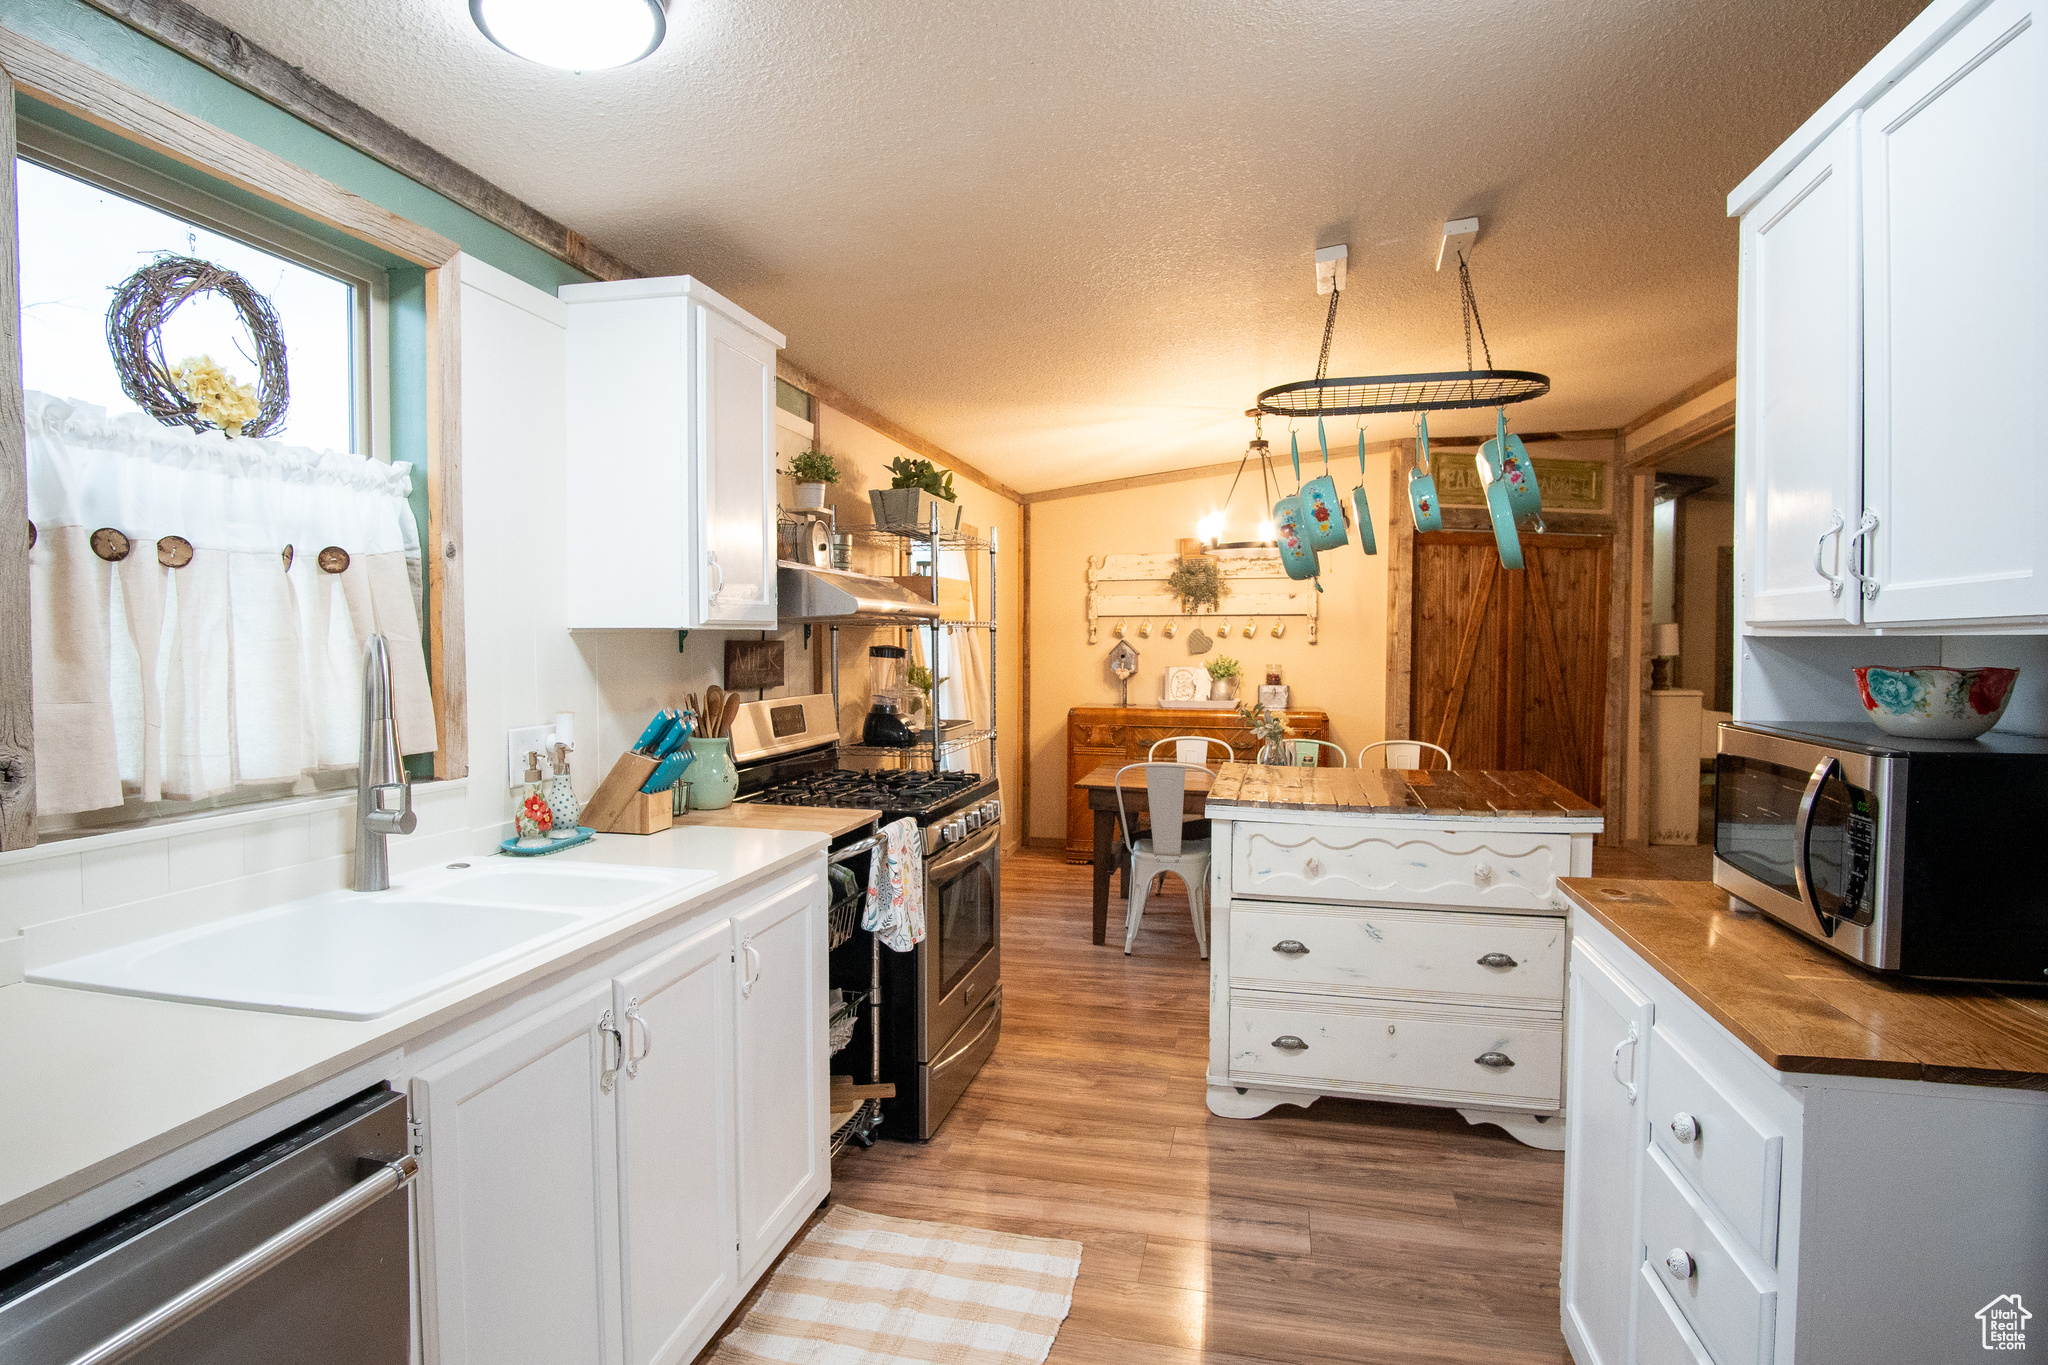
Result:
pixel 1101 785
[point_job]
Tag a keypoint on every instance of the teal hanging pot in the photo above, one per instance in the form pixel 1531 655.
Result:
pixel 1322 511
pixel 1505 460
pixel 1366 541
pixel 1502 515
pixel 1421 483
pixel 1297 556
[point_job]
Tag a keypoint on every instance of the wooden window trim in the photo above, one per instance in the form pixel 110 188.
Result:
pixel 31 68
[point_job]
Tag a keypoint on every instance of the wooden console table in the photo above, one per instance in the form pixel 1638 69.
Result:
pixel 1123 734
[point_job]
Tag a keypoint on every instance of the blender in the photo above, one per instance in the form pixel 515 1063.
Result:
pixel 885 726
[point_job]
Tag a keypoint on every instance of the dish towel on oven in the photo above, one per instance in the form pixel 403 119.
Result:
pixel 895 908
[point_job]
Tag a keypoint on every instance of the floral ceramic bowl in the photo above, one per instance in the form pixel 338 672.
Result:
pixel 1935 703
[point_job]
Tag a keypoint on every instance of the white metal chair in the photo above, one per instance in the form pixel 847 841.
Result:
pixel 1307 752
pixel 1166 786
pixel 1180 754
pixel 1404 753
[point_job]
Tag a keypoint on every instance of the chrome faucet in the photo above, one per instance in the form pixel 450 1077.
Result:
pixel 379 772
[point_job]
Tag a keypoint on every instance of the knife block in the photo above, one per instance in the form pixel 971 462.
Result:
pixel 609 804
pixel 645 813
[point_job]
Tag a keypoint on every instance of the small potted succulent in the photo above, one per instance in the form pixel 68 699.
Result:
pixel 813 471
pixel 915 488
pixel 1270 729
pixel 1223 675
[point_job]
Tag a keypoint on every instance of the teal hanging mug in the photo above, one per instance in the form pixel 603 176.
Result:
pixel 713 779
pixel 1366 540
pixel 1322 510
pixel 1422 498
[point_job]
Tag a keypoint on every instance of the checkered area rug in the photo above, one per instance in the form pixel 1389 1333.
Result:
pixel 861 1289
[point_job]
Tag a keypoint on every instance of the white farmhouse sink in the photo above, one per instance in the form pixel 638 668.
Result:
pixel 347 955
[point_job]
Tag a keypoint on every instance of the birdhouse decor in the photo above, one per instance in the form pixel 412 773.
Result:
pixel 1123 662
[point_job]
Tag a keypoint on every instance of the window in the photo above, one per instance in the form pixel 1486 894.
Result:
pixel 165 687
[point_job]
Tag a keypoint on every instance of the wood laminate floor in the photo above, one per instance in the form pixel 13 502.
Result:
pixel 1348 1232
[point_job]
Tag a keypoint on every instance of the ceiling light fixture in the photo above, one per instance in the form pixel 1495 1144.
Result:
pixel 1210 528
pixel 574 35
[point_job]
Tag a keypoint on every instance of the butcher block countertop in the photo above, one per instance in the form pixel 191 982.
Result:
pixel 830 821
pixel 1802 1009
pixel 1397 791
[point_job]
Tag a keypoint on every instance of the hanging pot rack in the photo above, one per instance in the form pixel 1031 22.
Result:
pixel 1438 392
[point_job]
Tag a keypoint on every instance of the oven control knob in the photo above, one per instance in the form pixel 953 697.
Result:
pixel 991 812
pixel 956 831
pixel 972 819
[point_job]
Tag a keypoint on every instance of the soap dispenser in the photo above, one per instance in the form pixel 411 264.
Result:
pixel 528 804
pixel 560 792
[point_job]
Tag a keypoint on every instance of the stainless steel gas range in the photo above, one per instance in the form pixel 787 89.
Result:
pixel 939 1007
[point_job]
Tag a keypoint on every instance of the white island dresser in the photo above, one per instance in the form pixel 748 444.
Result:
pixel 1392 935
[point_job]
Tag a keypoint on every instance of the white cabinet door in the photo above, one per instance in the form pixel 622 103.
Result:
pixel 679 1258
pixel 1800 391
pixel 518 1260
pixel 1606 1060
pixel 736 457
pixel 784 1167
pixel 1956 339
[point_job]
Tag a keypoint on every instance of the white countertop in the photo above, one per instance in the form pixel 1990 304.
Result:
pixel 96 1085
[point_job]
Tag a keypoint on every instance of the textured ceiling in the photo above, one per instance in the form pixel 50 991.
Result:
pixel 1070 241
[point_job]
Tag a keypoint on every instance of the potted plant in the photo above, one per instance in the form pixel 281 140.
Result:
pixel 915 488
pixel 1269 728
pixel 813 470
pixel 1198 583
pixel 1223 676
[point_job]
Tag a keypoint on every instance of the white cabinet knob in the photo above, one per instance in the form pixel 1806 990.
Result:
pixel 1312 868
pixel 1685 1127
pixel 1678 1264
pixel 1483 873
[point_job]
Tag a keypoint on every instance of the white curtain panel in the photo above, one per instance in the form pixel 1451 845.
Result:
pixel 184 683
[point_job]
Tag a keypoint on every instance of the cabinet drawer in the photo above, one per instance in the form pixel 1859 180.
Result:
pixel 1733 1310
pixel 1439 955
pixel 1393 1050
pixel 1662 1336
pixel 1731 1159
pixel 1419 865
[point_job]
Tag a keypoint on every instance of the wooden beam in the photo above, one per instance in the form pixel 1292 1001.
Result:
pixel 1203 471
pixel 228 54
pixel 1710 425
pixel 17 718
pixel 47 74
pixel 448 658
pixel 1724 375
pixel 1024 669
pixel 1400 596
pixel 838 399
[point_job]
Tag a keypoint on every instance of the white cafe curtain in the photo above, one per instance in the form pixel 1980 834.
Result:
pixel 233 670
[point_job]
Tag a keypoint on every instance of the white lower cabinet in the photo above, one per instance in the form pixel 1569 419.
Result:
pixel 1609 1025
pixel 605 1179
pixel 784 1156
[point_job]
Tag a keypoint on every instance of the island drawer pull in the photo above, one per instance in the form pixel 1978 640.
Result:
pixel 1287 1042
pixel 1293 947
pixel 1498 960
pixel 1497 1061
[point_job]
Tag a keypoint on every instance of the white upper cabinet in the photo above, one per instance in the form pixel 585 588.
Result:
pixel 1954 246
pixel 670 506
pixel 1800 390
pixel 1892 333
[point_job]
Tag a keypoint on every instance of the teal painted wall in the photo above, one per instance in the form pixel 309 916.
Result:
pixel 81 32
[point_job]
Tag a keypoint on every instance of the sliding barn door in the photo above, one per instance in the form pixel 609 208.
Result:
pixel 1510 668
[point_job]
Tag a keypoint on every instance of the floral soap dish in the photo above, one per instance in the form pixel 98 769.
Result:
pixel 520 848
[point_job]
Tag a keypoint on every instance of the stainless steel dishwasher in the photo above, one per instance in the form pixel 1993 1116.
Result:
pixel 298 1249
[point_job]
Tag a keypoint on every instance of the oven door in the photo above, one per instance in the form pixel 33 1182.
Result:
pixel 962 951
pixel 1799 832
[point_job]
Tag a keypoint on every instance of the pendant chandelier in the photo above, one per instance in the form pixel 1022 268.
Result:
pixel 1439 392
pixel 1210 529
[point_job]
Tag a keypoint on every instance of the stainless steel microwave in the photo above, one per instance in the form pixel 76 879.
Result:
pixel 1915 856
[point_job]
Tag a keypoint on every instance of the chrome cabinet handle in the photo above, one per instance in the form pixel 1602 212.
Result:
pixel 1497 1061
pixel 387 1178
pixel 608 1070
pixel 1614 1066
pixel 1497 960
pixel 1293 947
pixel 1864 530
pixel 1679 1264
pixel 750 974
pixel 711 563
pixel 1287 1042
pixel 1834 580
pixel 1685 1127
pixel 635 1018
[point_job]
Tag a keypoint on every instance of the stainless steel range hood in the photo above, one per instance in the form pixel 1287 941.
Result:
pixel 805 593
